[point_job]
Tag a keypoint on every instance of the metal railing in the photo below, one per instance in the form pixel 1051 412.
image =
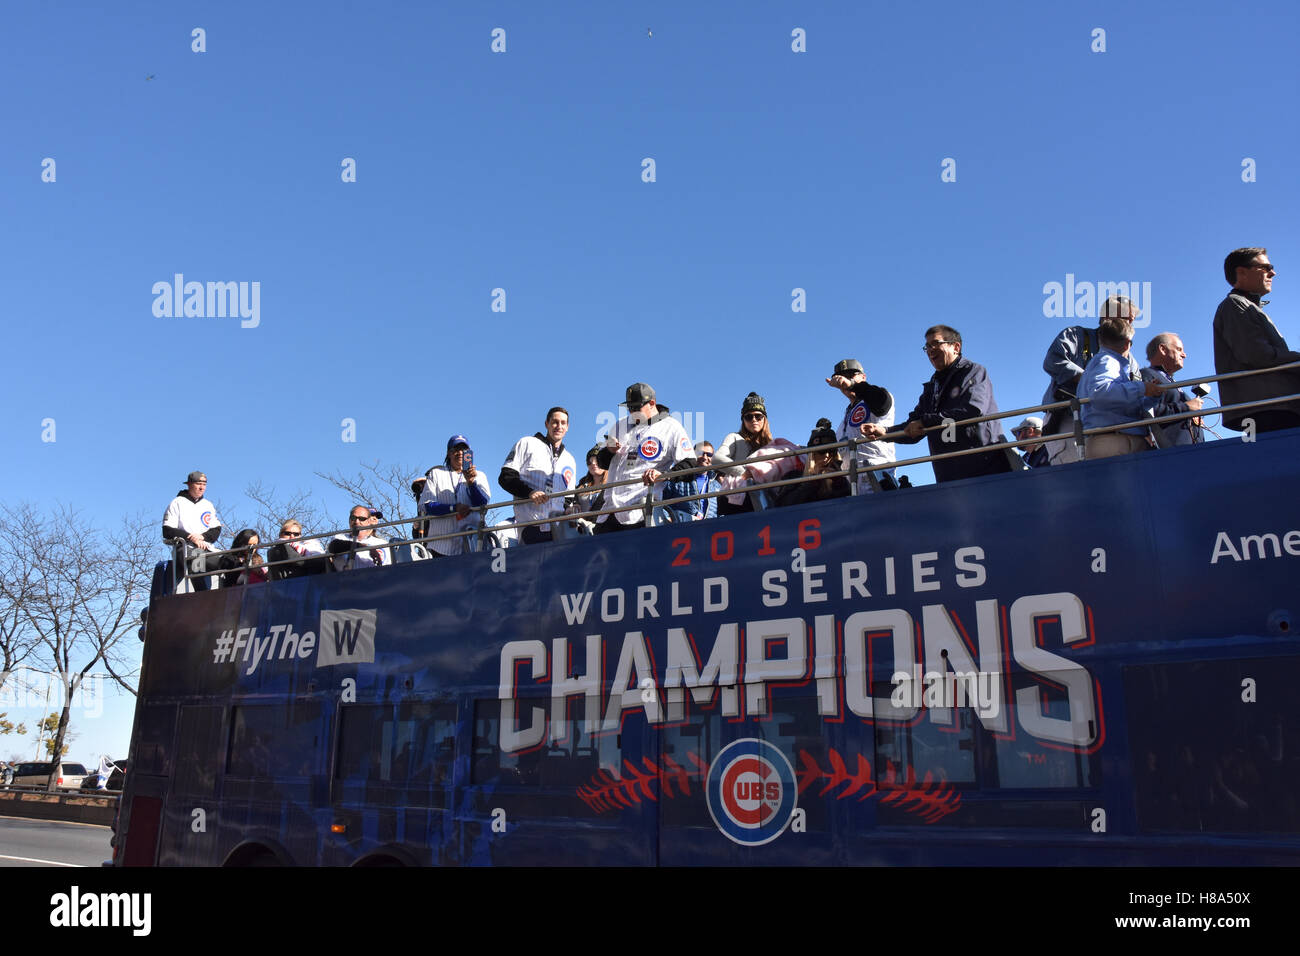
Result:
pixel 477 536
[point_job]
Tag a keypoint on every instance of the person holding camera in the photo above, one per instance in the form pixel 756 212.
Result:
pixel 450 491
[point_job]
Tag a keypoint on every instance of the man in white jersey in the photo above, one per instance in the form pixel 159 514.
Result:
pixel 191 526
pixel 450 492
pixel 646 445
pixel 539 464
pixel 868 405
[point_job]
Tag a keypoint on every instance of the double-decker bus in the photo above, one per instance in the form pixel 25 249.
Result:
pixel 1093 664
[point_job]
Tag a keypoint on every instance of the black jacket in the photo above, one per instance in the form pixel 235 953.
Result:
pixel 962 390
pixel 1245 338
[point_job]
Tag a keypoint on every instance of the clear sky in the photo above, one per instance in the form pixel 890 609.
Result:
pixel 523 170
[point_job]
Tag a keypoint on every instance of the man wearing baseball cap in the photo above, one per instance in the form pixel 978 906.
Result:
pixel 450 491
pixel 191 527
pixel 868 404
pixel 1034 453
pixel 646 444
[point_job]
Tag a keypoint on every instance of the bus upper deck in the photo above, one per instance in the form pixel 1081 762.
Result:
pixel 1090 664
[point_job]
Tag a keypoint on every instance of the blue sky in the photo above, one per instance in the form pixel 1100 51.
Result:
pixel 522 171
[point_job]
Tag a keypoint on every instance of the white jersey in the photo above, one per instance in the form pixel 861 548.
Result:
pixel 373 552
pixel 872 452
pixel 191 517
pixel 659 444
pixel 446 487
pixel 541 470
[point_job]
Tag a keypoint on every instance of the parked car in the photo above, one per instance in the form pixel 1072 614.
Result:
pixel 38 775
pixel 115 777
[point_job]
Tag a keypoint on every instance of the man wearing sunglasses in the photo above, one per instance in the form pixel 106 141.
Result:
pixel 1246 338
pixel 646 444
pixel 699 509
pixel 361 548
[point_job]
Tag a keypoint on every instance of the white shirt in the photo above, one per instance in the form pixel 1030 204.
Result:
pixel 191 517
pixel 872 452
pixel 660 445
pixel 363 557
pixel 446 487
pixel 541 470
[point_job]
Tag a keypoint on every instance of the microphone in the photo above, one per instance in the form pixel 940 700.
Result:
pixel 1200 391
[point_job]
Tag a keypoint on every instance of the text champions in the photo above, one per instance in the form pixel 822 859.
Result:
pixel 681 649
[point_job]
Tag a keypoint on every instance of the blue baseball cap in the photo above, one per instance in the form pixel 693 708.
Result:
pixel 455 440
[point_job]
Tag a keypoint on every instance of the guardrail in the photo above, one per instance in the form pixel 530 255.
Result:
pixel 477 535
pixel 79 806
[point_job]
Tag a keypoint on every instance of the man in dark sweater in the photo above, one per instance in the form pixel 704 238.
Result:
pixel 959 389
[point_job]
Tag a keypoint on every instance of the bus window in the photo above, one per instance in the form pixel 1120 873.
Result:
pixel 1021 762
pixel 399 755
pixel 200 740
pixel 1202 765
pixel 154 739
pixel 276 741
pixel 920 746
pixel 488 762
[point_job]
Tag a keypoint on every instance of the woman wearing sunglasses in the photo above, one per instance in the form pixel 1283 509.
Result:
pixel 735 462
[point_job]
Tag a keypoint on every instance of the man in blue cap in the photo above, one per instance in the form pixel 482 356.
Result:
pixel 450 491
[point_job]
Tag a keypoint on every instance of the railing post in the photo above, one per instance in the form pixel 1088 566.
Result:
pixel 1076 409
pixel 853 466
pixel 180 567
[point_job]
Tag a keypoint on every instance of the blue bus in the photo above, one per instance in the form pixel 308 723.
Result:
pixel 1084 665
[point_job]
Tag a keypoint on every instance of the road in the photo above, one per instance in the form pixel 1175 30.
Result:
pixel 25 842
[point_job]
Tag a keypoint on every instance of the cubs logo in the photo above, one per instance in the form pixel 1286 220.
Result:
pixel 858 414
pixel 649 448
pixel 567 474
pixel 751 792
pixel 207 518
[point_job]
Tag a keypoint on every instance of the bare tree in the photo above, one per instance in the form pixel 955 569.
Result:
pixel 273 510
pixel 388 488
pixel 17 640
pixel 84 594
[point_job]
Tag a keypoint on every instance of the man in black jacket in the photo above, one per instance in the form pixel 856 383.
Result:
pixel 959 389
pixel 1246 338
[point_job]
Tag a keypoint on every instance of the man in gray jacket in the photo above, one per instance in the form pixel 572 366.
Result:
pixel 1246 338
